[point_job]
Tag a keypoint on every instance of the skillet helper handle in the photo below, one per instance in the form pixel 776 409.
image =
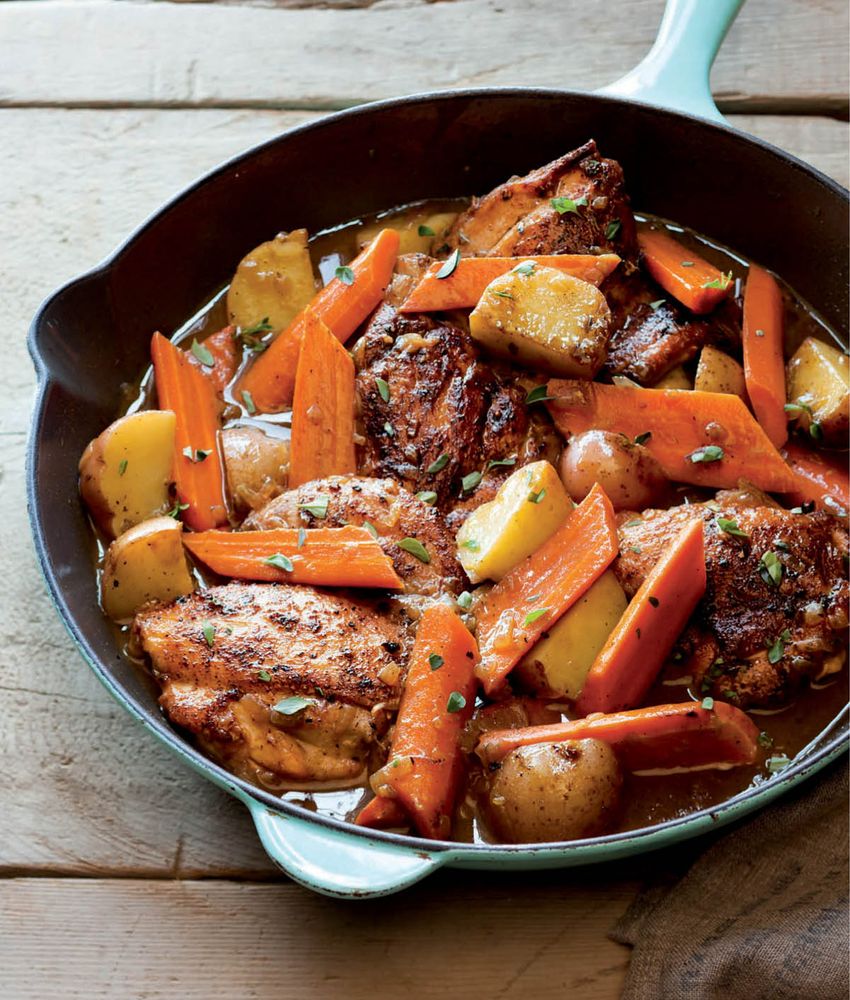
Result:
pixel 336 863
pixel 675 72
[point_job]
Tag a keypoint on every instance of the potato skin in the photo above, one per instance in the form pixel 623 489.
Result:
pixel 819 375
pixel 626 471
pixel 717 372
pixel 256 465
pixel 554 791
pixel 546 319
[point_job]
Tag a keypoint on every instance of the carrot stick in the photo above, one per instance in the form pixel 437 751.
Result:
pixel 465 285
pixel 706 438
pixel 222 349
pixel 683 273
pixel 425 765
pixel 198 469
pixel 322 440
pixel 818 475
pixel 326 557
pixel 628 663
pixel 341 306
pixel 764 364
pixel 537 591
pixel 662 736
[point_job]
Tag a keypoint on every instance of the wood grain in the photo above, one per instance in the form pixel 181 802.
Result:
pixel 510 939
pixel 778 56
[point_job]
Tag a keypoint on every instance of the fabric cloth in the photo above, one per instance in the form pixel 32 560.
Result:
pixel 761 915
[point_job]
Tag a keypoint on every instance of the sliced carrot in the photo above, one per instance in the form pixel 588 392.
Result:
pixel 341 306
pixel 764 363
pixel 381 813
pixel 537 591
pixel 425 765
pixel 629 662
pixel 662 736
pixel 818 475
pixel 222 349
pixel 322 441
pixel 706 438
pixel 198 467
pixel 683 273
pixel 465 285
pixel 324 557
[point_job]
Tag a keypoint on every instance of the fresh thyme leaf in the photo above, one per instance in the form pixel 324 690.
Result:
pixel 723 282
pixel 464 600
pixel 264 675
pixel 472 544
pixel 504 295
pixel 776 650
pixel 710 453
pixel 438 465
pixel 196 455
pixel 765 740
pixel 707 704
pixel 533 616
pixel 425 231
pixel 526 267
pixel 122 466
pixel 448 268
pixel 203 354
pixel 777 763
pixel 456 702
pixel 435 661
pixel 536 497
pixel 383 389
pixel 248 400
pixel 252 331
pixel 208 630
pixel 176 510
pixel 612 229
pixel 389 430
pixel 280 561
pixel 564 206
pixel 373 531
pixel 495 462
pixel 815 430
pixel 539 394
pixel 318 507
pixel 345 275
pixel 415 548
pixel 468 483
pixel 427 496
pixel 686 263
pixel 730 527
pixel 656 305
pixel 293 705
pixel 771 568
pixel 302 537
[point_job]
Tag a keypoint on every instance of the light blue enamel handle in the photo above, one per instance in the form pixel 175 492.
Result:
pixel 675 72
pixel 336 863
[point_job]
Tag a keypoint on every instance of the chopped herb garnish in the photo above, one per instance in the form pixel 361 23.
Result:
pixel 264 675
pixel 456 702
pixel 251 331
pixel 495 462
pixel 653 601
pixel 176 510
pixel 565 205
pixel 427 496
pixel 425 231
pixel 373 531
pixel 536 497
pixel 389 430
pixel 438 465
pixel 464 600
pixel 435 661
pixel 248 400
pixel 504 295
pixel 643 438
pixel 198 455
pixel 770 568
pixel 318 507
pixel 730 527
pixel 795 409
pixel 633 522
pixel 815 430
pixel 302 537
pixel 345 275
pixel 203 354
pixel 765 740
pixel 533 616
pixel 122 466
pixel 415 548
pixel 539 394
pixel 448 268
pixel 636 549
pixel 723 282
pixel 208 630
pixel 612 229
pixel 777 763
pixel 280 561
pixel 471 544
pixel 707 704
pixel 710 453
pixel 686 263
pixel 293 705
pixel 776 651
pixel 468 483
pixel 526 267
pixel 383 389
pixel 656 305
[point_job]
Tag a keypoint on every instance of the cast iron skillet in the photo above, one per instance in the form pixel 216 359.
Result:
pixel 94 333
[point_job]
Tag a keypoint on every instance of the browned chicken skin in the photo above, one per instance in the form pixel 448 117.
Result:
pixel 744 612
pixel 225 655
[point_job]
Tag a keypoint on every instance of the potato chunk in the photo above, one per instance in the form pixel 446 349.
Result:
pixel 676 378
pixel 545 319
pixel 146 563
pixel 257 466
pixel 717 372
pixel 819 379
pixel 124 473
pixel 530 506
pixel 274 282
pixel 558 665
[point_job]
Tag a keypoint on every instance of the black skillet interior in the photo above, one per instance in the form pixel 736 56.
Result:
pixel 94 334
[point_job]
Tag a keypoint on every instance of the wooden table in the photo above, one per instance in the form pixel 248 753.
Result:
pixel 124 873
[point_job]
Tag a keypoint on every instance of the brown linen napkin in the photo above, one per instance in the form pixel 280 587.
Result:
pixel 761 915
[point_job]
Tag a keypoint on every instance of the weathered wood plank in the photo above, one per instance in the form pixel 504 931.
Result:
pixel 89 792
pixel 788 54
pixel 451 937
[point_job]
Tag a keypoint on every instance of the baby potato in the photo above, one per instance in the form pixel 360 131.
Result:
pixel 256 465
pixel 545 319
pixel 819 378
pixel 559 663
pixel 531 504
pixel 626 471
pixel 146 563
pixel 717 372
pixel 274 282
pixel 676 378
pixel 125 472
pixel 554 791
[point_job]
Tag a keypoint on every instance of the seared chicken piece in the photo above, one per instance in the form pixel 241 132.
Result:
pixel 391 510
pixel 790 606
pixel 225 656
pixel 519 219
pixel 448 414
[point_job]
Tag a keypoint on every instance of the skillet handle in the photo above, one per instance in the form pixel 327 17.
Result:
pixel 675 72
pixel 336 863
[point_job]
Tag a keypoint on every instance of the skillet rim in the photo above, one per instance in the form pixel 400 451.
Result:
pixel 743 803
